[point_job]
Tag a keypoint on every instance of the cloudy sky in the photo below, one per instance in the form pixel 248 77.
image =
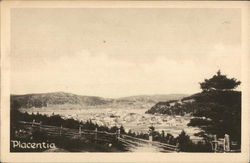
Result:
pixel 122 52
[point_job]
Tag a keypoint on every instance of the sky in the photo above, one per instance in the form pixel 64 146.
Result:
pixel 122 52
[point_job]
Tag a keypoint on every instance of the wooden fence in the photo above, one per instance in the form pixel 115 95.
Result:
pixel 70 133
pixel 132 140
pixel 96 135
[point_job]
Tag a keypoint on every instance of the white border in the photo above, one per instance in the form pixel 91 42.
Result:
pixel 6 156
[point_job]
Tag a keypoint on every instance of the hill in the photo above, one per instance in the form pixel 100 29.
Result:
pixel 57 98
pixel 60 98
pixel 153 98
pixel 174 107
pixel 197 103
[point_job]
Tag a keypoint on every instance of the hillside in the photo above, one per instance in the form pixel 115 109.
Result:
pixel 153 98
pixel 57 98
pixel 174 107
pixel 61 98
pixel 196 103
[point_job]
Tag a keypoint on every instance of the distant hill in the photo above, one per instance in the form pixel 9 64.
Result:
pixel 57 98
pixel 153 98
pixel 60 98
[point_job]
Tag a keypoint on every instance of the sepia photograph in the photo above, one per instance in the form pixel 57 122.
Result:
pixel 125 80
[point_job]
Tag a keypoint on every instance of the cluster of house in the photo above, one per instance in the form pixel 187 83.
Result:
pixel 113 118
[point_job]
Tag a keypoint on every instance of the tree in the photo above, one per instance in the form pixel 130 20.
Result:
pixel 184 141
pixel 220 106
pixel 113 129
pixel 219 82
pixel 122 130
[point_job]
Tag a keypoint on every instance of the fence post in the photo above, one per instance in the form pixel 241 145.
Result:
pixel 214 143
pixel 40 123
pixel 177 147
pixel 80 130
pixel 96 133
pixel 33 122
pixel 118 133
pixel 226 143
pixel 162 135
pixel 61 130
pixel 150 135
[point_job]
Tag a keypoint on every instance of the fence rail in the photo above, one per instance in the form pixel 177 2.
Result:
pixel 62 131
pixel 155 143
